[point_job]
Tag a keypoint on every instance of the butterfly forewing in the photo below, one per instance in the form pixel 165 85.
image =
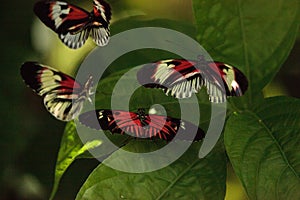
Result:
pixel 101 8
pixel 62 95
pixel 140 125
pixel 236 81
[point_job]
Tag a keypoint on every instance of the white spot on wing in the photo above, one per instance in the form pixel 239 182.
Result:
pixel 57 11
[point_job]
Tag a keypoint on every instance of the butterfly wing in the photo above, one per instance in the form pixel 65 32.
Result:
pixel 68 21
pixel 62 94
pixel 100 26
pixel 222 81
pixel 116 121
pixel 152 126
pixel 167 128
pixel 177 77
pixel 235 81
pixel 182 78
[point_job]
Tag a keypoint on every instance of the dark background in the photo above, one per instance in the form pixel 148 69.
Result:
pixel 30 136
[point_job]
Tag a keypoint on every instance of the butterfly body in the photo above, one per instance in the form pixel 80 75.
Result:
pixel 181 78
pixel 74 24
pixel 63 96
pixel 140 125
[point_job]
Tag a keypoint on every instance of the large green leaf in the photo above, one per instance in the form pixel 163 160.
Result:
pixel 71 148
pixel 263 147
pixel 187 178
pixel 254 35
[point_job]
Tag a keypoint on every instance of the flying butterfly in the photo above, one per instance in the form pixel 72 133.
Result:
pixel 141 125
pixel 63 96
pixel 181 78
pixel 74 24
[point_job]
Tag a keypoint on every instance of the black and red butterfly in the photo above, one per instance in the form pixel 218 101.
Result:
pixel 141 125
pixel 74 24
pixel 181 78
pixel 63 96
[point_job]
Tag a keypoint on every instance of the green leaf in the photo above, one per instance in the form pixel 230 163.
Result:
pixel 71 148
pixel 263 147
pixel 187 178
pixel 253 35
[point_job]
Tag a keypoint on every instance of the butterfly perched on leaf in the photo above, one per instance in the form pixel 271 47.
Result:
pixel 141 125
pixel 63 96
pixel 74 24
pixel 181 78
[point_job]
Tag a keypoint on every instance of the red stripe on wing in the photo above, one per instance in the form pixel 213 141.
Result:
pixel 76 13
pixel 151 126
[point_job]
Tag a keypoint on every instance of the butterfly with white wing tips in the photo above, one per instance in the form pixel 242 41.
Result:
pixel 141 125
pixel 74 24
pixel 63 96
pixel 181 78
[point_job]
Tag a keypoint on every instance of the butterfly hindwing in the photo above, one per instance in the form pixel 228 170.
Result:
pixel 62 95
pixel 140 125
pixel 100 35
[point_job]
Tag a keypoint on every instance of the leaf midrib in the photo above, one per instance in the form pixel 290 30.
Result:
pixel 275 141
pixel 245 48
pixel 176 180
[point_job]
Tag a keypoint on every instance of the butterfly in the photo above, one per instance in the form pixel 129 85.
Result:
pixel 63 96
pixel 181 78
pixel 141 125
pixel 74 24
